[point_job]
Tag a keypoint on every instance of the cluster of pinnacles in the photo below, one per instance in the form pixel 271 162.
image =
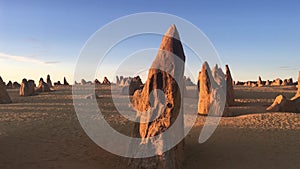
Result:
pixel 166 76
pixel 26 88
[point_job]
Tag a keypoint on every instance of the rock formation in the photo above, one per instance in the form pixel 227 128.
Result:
pixel 161 100
pixel 49 82
pixel 97 82
pixel 276 82
pixel 9 85
pixel 66 82
pixel 31 87
pixel 24 89
pixel 16 85
pixel 268 83
pixel 135 84
pixel 218 97
pixel 254 85
pixel 106 81
pixel 27 88
pixel 188 81
pixel 198 81
pixel 4 97
pixel 130 85
pixel 122 82
pixel 290 81
pixel 282 104
pixel 204 82
pixel 284 83
pixel 57 83
pixel 239 83
pixel 259 82
pixel 117 80
pixel 125 81
pixel 121 78
pixel 2 82
pixel 297 95
pixel 212 90
pixel 42 87
pixel 82 82
pixel 229 87
pixel 298 92
pixel 89 83
pixel 250 84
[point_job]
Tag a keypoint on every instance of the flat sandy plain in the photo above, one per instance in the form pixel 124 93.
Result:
pixel 43 131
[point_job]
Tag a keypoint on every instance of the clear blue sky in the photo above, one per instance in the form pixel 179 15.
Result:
pixel 255 37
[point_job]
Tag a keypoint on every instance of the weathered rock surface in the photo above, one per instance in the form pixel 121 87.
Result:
pixel 125 81
pixel 282 104
pixel 135 84
pixel 27 88
pixel 83 82
pixel 117 80
pixel 198 81
pixel 229 87
pixel 297 95
pixel 57 83
pixel 284 83
pixel 298 92
pixel 31 87
pixel 205 87
pixel 49 82
pixel 9 85
pixel 97 82
pixel 4 97
pixel 66 82
pixel 218 101
pixel 276 82
pixel 42 87
pixel 106 81
pixel 160 102
pixel 259 82
pixel 16 85
pixel 212 91
pixel 290 81
pixel 239 83
pixel 24 89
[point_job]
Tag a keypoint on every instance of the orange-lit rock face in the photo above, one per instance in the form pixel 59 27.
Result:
pixel 205 89
pixel 212 90
pixel 282 104
pixel 158 104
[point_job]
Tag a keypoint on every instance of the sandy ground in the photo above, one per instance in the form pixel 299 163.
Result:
pixel 43 132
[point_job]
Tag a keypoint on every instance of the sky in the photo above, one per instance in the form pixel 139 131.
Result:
pixel 255 37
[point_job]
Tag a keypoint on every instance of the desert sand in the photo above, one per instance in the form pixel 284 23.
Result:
pixel 43 131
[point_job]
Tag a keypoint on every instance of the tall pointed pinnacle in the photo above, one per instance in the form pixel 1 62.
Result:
pixel 158 107
pixel 205 89
pixel 229 85
pixel 171 42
